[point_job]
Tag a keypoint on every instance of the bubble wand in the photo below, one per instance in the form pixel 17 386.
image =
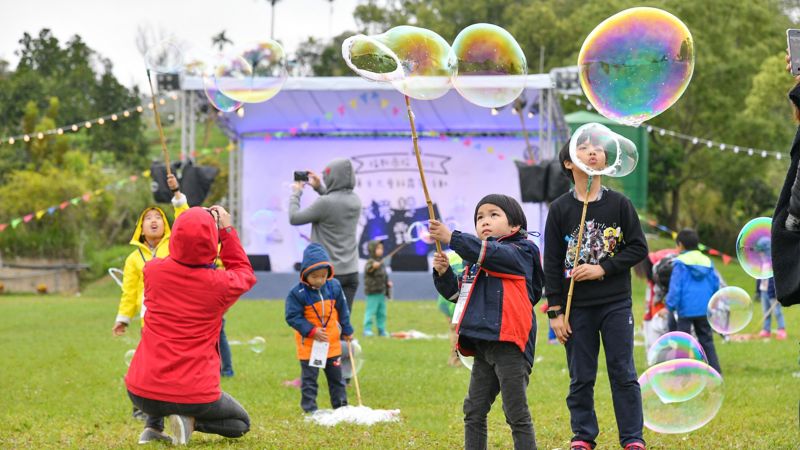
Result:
pixel 421 171
pixel 578 252
pixel 760 322
pixel 389 255
pixel 355 376
pixel 158 122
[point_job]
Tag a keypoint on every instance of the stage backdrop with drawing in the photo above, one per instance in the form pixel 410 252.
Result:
pixel 387 180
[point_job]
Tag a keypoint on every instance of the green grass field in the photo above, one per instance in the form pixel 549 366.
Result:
pixel 61 383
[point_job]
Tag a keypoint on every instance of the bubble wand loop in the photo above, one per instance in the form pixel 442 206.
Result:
pixel 578 252
pixel 158 122
pixel 355 376
pixel 389 255
pixel 419 164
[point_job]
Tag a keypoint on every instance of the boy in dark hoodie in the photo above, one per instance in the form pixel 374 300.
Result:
pixel 317 310
pixel 376 283
pixel 692 284
pixel 495 295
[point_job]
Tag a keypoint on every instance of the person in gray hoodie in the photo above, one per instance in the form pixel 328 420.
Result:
pixel 333 218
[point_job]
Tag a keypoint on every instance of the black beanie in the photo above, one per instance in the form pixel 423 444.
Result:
pixel 509 206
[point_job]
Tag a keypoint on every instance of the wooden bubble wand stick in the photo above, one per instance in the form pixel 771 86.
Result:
pixel 158 122
pixel 353 367
pixel 400 247
pixel 761 322
pixel 419 164
pixel 578 250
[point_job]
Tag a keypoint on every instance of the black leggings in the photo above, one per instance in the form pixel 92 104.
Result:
pixel 349 282
pixel 225 417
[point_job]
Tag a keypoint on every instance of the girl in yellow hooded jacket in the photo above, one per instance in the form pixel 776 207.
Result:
pixel 151 239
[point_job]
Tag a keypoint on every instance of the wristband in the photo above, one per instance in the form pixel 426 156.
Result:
pixel 553 313
pixel 175 190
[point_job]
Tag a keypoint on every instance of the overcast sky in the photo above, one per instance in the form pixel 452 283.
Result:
pixel 110 26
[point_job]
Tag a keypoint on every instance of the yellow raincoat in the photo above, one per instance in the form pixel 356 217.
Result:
pixel 133 280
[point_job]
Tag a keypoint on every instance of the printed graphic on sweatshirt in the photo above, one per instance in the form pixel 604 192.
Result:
pixel 600 242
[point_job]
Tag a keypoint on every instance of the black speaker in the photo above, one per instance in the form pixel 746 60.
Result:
pixel 532 182
pixel 557 183
pixel 260 263
pixel 409 263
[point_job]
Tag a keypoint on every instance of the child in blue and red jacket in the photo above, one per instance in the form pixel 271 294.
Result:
pixel 317 310
pixel 495 295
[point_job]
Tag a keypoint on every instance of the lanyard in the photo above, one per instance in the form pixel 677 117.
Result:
pixel 145 259
pixel 322 300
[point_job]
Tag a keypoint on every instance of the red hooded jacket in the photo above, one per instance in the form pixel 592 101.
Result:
pixel 178 358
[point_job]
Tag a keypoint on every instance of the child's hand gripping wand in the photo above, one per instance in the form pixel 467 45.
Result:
pixel 578 250
pixel 158 122
pixel 400 247
pixel 419 164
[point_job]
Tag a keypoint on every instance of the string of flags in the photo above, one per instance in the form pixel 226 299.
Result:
pixel 74 202
pixel 703 248
pixel 695 140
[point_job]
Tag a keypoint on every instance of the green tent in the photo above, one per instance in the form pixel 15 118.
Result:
pixel 635 184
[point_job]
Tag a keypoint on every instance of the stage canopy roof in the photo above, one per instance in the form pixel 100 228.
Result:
pixel 326 105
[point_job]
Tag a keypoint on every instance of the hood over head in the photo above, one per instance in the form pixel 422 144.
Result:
pixel 314 257
pixel 339 174
pixel 138 236
pixel 372 246
pixel 194 238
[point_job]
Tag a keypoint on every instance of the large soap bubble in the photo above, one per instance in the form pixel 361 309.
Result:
pixel 678 380
pixel 636 64
pixel 165 56
pixel 263 221
pixel 492 69
pixel 417 62
pixel 753 248
pixel 220 101
pixel 260 79
pixel 129 357
pixel 357 361
pixel 675 345
pixel 729 310
pixel 258 344
pixel 597 150
pixel 682 416
pixel 468 361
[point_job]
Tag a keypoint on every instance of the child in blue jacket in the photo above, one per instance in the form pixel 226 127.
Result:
pixel 495 295
pixel 691 286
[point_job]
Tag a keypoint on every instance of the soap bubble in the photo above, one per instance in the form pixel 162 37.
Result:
pixel 682 416
pixel 165 56
pixel 258 344
pixel 678 380
pixel 263 221
pixel 468 361
pixel 419 231
pixel 492 69
pixel 636 64
pixel 129 357
pixel 358 358
pixel 619 152
pixel 729 310
pixel 260 79
pixel 417 62
pixel 675 345
pixel 753 248
pixel 214 95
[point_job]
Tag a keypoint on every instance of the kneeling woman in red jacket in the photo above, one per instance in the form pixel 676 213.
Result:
pixel 175 371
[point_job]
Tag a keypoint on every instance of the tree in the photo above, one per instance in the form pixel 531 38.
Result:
pixel 220 40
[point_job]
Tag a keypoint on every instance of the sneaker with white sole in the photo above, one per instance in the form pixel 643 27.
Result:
pixel 181 427
pixel 149 436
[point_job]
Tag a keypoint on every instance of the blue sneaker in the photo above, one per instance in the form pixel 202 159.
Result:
pixel 226 374
pixel 384 333
pixel 369 333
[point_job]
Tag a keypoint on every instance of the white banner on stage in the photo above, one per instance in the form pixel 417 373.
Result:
pixel 388 183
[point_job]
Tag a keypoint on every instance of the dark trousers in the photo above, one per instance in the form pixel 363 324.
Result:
pixel 499 368
pixel 672 322
pixel 225 352
pixel 613 323
pixel 349 282
pixel 309 386
pixel 704 335
pixel 225 417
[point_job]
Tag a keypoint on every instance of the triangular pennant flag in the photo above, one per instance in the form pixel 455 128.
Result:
pixel 341 110
pixel 293 131
pixel 406 116
pixel 194 153
pixel 384 102
pixel 726 259
pixel 110 186
pixel 316 121
pixel 354 104
pixel 15 222
pixel 230 146
pixel 98 192
pixel 134 177
pixel 674 235
pixel 500 156
pixel 278 134
pixel 119 183
pixel 63 205
pixel 395 110
pixel 713 252
pixel 28 218
pixel 146 173
pixel 374 95
pixel 39 214
pixel 205 151
pixel 51 210
pixel 217 150
pixel 268 137
pixel 454 139
pixel 329 116
pixel 468 141
pixel 490 150
pixel 363 97
pixel 444 138
pixel 701 247
pixel 478 146
pixel 75 200
pixel 304 125
pixel 529 162
pixel 86 197
pixel 3 226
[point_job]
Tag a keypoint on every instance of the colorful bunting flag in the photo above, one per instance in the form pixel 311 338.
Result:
pixel 363 97
pixel 119 183
pixel 268 137
pixel 98 192
pixel 16 222
pixel 86 197
pixel 146 173
pixel 304 125
pixel 468 142
pixel 354 104
pixel 490 150
pixel 501 156
pixel 293 131
pixel 713 252
pixel 674 235
pixel 39 214
pixel 726 259
pixel 217 150
pixel 28 218
pixel 384 103
pixel 63 205
pixel 51 210
pixel 395 110
pixel 75 200
pixel 329 116
pixel 444 138
pixel 374 95
pixel 3 226
pixel 134 177
pixel 341 110
pixel 316 121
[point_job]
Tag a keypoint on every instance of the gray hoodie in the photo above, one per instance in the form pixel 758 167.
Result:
pixel 334 215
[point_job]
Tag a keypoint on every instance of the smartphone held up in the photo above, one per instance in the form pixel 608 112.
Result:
pixel 793 39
